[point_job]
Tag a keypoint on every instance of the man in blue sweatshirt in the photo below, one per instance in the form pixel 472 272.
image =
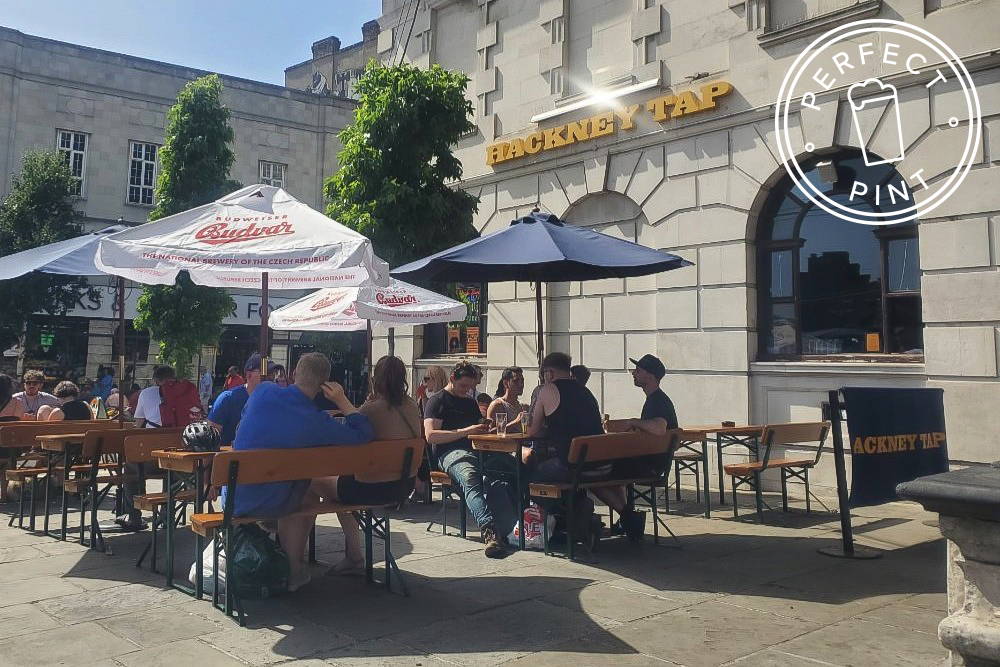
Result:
pixel 278 417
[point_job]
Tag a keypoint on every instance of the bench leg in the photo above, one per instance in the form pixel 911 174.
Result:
pixel 83 520
pixel 20 506
pixel 722 473
pixel 656 516
pixel 784 491
pixel 677 480
pixel 736 512
pixel 808 509
pixel 34 502
pixel 369 557
pixel 312 544
pixel 757 497
pixel 48 488
pixel 570 537
pixel 697 484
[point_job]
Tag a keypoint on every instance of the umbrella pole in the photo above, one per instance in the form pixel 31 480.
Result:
pixel 263 322
pixel 368 354
pixel 120 304
pixel 539 325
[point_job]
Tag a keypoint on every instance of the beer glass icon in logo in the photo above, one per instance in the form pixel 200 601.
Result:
pixel 870 101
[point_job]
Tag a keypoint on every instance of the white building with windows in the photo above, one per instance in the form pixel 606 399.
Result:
pixel 106 112
pixel 784 301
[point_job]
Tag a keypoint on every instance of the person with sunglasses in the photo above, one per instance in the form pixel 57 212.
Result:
pixel 450 417
pixel 33 398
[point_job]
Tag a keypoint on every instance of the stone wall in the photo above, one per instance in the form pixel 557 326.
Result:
pixel 49 85
pixel 695 187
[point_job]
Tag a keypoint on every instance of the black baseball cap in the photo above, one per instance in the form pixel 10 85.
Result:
pixel 651 364
pixel 253 364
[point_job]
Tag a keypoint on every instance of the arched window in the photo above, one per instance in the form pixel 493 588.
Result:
pixel 828 286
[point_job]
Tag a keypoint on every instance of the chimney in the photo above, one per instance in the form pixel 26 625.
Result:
pixel 325 47
pixel 369 31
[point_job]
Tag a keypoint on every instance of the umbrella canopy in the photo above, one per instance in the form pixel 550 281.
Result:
pixel 72 257
pixel 350 308
pixel 541 248
pixel 235 240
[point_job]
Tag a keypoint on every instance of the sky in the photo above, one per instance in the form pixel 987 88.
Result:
pixel 252 39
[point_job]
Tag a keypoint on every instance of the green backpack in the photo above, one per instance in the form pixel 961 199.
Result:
pixel 257 568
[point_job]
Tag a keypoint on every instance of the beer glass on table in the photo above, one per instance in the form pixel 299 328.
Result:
pixel 501 420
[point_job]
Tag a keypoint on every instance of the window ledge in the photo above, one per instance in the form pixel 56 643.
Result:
pixel 450 359
pixel 839 367
pixel 821 23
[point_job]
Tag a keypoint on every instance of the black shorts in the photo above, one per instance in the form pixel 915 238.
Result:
pixel 639 467
pixel 352 492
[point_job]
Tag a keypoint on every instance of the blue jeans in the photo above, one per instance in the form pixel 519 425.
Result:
pixel 463 467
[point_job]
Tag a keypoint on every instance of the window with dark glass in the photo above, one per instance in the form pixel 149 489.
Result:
pixel 833 287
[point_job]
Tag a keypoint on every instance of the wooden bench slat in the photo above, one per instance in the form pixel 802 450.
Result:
pixel 151 501
pixel 743 468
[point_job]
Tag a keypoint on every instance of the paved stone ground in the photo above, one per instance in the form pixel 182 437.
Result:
pixel 736 593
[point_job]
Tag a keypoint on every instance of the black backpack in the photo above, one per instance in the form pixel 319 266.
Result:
pixel 257 568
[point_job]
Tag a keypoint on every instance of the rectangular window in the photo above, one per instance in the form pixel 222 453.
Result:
pixel 272 173
pixel 73 146
pixel 141 172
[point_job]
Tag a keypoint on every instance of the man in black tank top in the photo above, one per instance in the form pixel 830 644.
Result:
pixel 566 409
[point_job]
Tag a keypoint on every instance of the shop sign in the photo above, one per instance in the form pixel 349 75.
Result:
pixel 662 109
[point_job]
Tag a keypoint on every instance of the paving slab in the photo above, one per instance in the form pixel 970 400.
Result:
pixel 165 625
pixel 14 554
pixel 85 643
pixel 503 633
pixel 775 658
pixel 860 643
pixel 23 618
pixel 607 601
pixel 186 652
pixel 284 637
pixel 94 605
pixel 33 590
pixel 902 615
pixel 381 653
pixel 709 633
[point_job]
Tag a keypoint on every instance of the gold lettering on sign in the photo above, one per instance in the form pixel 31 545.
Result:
pixel 662 109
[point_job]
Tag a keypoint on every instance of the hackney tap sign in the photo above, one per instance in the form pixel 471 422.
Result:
pixel 897 434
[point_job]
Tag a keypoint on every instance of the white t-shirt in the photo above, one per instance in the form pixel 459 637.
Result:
pixel 32 403
pixel 148 406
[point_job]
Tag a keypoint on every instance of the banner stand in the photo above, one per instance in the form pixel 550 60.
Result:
pixel 847 549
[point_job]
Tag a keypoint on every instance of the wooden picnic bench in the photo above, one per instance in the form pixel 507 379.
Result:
pixel 608 447
pixel 376 459
pixel 19 439
pixel 748 474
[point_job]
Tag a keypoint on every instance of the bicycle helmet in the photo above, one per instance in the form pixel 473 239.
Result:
pixel 201 437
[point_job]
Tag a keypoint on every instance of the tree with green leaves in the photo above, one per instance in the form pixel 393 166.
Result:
pixel 194 170
pixel 38 211
pixel 397 162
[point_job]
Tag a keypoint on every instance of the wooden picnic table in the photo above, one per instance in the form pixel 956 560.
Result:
pixel 190 468
pixel 745 435
pixel 511 443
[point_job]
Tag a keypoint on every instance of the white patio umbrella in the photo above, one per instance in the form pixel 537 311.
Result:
pixel 72 257
pixel 257 237
pixel 357 308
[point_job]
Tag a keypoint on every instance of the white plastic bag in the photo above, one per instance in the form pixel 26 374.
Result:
pixel 532 521
pixel 208 576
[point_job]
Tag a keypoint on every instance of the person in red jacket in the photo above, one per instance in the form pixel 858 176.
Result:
pixel 233 378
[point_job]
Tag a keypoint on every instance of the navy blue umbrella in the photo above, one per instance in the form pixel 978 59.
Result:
pixel 540 248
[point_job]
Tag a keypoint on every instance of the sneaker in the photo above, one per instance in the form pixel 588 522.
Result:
pixel 493 547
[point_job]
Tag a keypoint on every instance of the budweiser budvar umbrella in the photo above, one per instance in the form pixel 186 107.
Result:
pixel 357 308
pixel 257 237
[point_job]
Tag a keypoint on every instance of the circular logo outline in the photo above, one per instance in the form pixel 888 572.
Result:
pixel 784 102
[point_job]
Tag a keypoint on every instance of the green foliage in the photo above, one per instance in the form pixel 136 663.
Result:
pixel 196 158
pixel 183 317
pixel 38 210
pixel 397 161
pixel 194 170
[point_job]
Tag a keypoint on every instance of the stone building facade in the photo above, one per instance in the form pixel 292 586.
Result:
pixel 333 69
pixel 104 106
pixel 699 185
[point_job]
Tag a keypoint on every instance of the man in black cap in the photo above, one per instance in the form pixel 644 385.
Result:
pixel 658 414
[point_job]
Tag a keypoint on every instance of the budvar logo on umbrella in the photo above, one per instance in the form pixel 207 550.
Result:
pixel 220 232
pixel 395 300
pixel 328 301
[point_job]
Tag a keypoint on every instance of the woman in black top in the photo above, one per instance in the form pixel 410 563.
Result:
pixel 71 408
